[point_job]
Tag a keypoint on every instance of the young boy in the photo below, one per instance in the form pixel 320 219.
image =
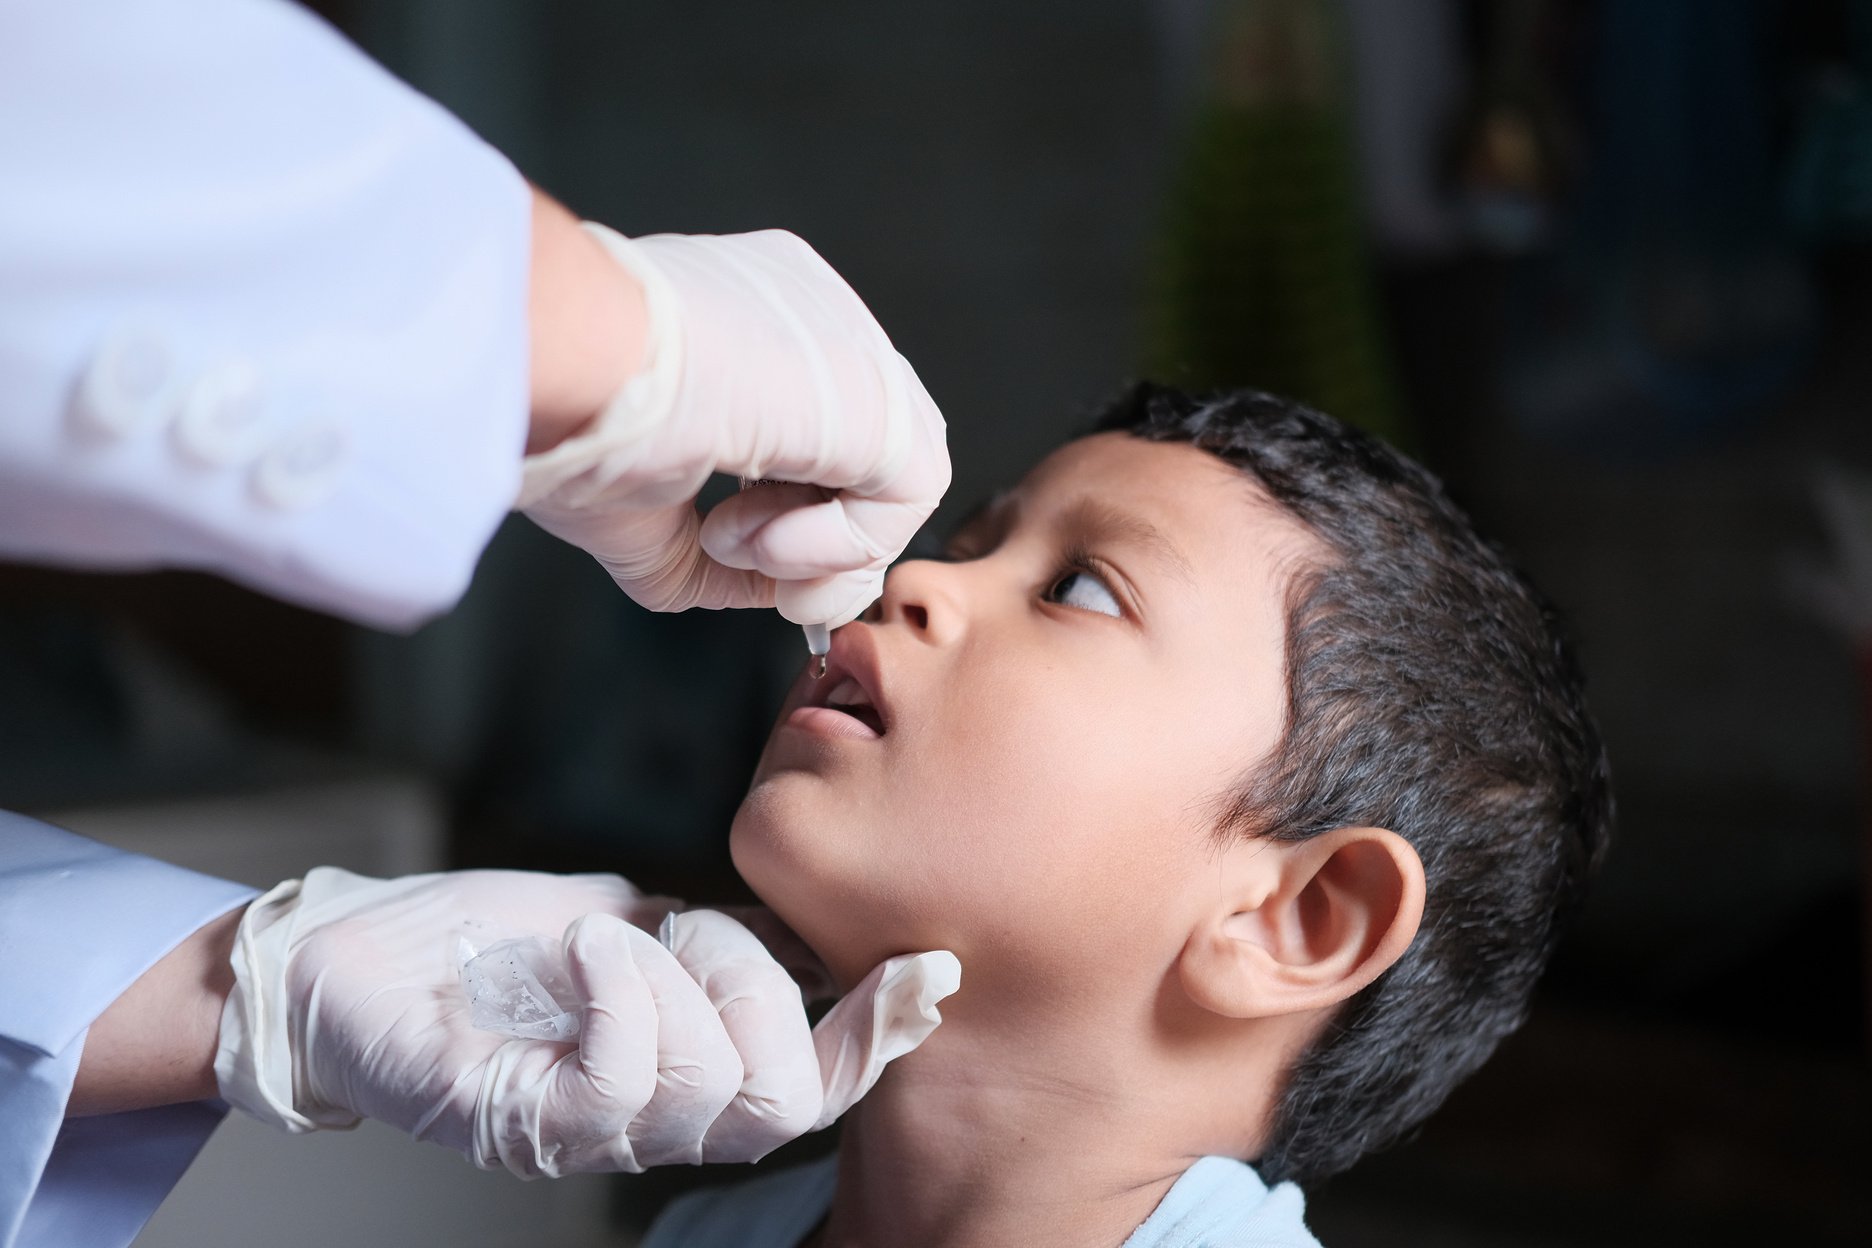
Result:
pixel 1249 786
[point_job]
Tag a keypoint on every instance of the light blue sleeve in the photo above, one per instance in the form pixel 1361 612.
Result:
pixel 79 922
pixel 263 307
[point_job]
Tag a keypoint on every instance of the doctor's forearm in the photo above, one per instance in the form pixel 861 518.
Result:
pixel 587 325
pixel 155 1044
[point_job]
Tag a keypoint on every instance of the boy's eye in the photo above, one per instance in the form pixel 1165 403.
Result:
pixel 1080 588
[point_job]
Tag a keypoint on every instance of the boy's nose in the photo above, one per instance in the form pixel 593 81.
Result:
pixel 921 595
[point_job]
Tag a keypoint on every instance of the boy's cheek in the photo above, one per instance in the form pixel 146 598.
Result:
pixel 1020 832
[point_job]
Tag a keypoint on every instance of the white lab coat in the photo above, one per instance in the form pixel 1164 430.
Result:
pixel 262 312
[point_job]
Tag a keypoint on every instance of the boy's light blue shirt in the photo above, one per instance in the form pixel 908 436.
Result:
pixel 1217 1203
pixel 79 922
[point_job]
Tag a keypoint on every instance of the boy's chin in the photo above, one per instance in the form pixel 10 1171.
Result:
pixel 847 922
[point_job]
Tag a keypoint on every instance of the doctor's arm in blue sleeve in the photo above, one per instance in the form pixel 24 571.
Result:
pixel 264 309
pixel 81 926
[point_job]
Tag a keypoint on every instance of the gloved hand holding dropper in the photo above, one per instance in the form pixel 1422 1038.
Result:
pixel 762 363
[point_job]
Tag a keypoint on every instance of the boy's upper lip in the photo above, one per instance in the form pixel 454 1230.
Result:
pixel 854 654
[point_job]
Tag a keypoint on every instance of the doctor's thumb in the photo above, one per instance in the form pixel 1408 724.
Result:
pixel 889 1013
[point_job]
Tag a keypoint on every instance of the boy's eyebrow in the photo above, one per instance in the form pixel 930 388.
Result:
pixel 1091 520
pixel 1098 521
pixel 983 511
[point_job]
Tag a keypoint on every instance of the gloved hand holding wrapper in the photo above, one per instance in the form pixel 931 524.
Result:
pixel 611 1051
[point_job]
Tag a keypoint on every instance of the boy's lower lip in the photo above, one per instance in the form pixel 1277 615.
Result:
pixel 824 721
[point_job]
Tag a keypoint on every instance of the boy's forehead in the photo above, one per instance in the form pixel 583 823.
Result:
pixel 1120 461
pixel 1181 490
pixel 1201 512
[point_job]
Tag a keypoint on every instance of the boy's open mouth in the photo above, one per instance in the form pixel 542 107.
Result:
pixel 847 696
pixel 852 685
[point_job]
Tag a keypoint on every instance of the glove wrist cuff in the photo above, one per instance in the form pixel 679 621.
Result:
pixel 254 1058
pixel 588 462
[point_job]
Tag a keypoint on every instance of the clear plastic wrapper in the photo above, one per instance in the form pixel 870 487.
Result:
pixel 521 988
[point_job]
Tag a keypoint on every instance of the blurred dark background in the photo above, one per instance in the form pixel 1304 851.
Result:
pixel 1603 265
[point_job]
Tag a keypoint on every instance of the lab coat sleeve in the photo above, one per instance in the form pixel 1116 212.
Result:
pixel 262 307
pixel 79 922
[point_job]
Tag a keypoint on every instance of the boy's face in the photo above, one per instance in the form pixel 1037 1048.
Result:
pixel 1061 707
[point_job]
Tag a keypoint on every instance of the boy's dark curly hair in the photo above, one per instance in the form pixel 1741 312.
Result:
pixel 1429 691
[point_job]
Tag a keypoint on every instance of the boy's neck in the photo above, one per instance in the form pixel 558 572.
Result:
pixel 948 1158
pixel 979 1141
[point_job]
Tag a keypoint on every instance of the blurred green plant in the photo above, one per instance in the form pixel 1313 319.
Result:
pixel 1262 277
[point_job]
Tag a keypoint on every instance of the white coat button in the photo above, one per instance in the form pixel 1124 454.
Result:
pixel 122 391
pixel 303 468
pixel 222 417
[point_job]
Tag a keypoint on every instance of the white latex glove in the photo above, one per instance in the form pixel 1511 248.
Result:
pixel 348 1004
pixel 763 364
pixel 889 1013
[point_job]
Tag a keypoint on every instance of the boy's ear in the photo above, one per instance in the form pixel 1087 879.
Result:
pixel 1303 925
